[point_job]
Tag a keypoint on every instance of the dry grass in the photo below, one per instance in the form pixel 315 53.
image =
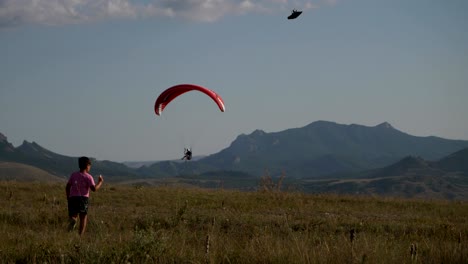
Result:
pixel 173 225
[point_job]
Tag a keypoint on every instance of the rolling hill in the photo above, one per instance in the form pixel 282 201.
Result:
pixel 12 171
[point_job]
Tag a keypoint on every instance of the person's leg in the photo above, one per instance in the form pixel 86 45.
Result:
pixel 83 222
pixel 72 222
pixel 72 213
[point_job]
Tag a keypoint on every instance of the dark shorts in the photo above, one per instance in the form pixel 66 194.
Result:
pixel 77 205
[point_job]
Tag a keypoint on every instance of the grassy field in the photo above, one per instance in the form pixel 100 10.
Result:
pixel 177 225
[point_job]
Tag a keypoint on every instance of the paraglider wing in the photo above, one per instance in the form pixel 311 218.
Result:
pixel 171 93
pixel 294 14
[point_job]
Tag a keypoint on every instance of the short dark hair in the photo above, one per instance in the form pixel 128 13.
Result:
pixel 83 162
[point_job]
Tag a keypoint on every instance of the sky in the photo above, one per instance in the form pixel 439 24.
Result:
pixel 80 77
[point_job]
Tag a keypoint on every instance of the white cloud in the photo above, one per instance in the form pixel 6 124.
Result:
pixel 57 12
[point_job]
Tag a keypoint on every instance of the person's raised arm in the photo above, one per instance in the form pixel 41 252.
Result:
pixel 98 185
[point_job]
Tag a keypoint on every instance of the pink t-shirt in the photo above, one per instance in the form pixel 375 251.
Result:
pixel 80 183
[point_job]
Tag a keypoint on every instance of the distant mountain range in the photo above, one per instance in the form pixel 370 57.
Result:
pixel 412 176
pixel 318 149
pixel 322 156
pixel 55 164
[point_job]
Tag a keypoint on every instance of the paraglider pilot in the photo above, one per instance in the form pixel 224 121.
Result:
pixel 187 154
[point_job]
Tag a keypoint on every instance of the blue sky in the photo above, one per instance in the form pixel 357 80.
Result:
pixel 80 77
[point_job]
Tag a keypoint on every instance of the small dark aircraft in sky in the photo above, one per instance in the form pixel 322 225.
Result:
pixel 294 14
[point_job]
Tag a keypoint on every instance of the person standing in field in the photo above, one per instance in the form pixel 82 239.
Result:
pixel 77 190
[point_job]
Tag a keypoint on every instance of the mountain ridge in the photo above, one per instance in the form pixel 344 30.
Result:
pixel 320 149
pixel 356 146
